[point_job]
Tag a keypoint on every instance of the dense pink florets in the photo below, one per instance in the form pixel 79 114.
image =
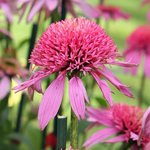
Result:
pixel 140 39
pixel 73 45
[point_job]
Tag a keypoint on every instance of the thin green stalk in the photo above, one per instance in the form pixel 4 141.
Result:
pixel 74 131
pixel 141 90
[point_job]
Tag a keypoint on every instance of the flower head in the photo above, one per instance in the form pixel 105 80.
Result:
pixel 126 123
pixel 112 12
pixel 72 48
pixel 139 45
pixel 8 68
pixel 9 8
pixel 48 6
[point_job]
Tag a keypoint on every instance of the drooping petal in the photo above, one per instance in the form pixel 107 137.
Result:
pixel 109 76
pixel 35 78
pixel 37 86
pixel 51 4
pixel 104 88
pixel 103 117
pixel 4 87
pixel 134 57
pixel 35 9
pixel 146 123
pixel 51 101
pixel 123 64
pixel 77 97
pixel 119 138
pixel 87 9
pixel 147 66
pixel 7 11
pixel 99 136
pixel 82 88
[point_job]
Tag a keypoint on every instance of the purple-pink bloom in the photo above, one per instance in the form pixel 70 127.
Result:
pixel 112 12
pixel 123 123
pixel 138 47
pixel 48 6
pixel 9 8
pixel 9 68
pixel 73 48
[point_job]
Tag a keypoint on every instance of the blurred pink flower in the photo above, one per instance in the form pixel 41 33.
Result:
pixel 126 123
pixel 9 8
pixel 9 67
pixel 49 6
pixel 72 48
pixel 139 46
pixel 145 2
pixel 112 12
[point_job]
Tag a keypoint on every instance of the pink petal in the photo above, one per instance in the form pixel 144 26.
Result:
pixel 109 76
pixel 36 77
pixel 77 97
pixel 37 86
pixel 51 101
pixel 147 146
pixel 104 88
pixel 4 87
pixel 146 123
pixel 37 6
pixel 102 117
pixel 51 4
pixel 148 16
pixel 119 138
pixel 147 66
pixel 99 136
pixel 134 57
pixel 7 11
pixel 134 136
pixel 123 64
pixel 87 9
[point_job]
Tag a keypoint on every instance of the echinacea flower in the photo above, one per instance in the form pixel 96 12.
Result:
pixel 112 12
pixel 72 48
pixel 139 46
pixel 125 123
pixel 48 6
pixel 9 67
pixel 9 8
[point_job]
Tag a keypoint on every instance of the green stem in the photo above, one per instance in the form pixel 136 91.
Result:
pixel 61 132
pixel 74 131
pixel 141 90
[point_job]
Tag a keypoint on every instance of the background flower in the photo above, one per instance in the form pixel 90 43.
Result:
pixel 112 12
pixel 9 8
pixel 126 123
pixel 48 6
pixel 139 46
